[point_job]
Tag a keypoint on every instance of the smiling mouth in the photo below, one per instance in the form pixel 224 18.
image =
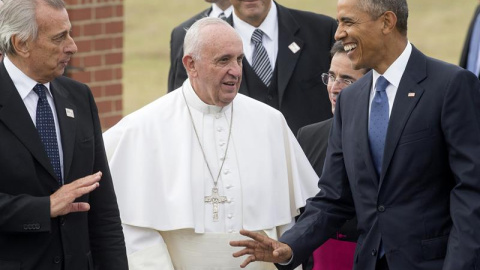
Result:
pixel 349 47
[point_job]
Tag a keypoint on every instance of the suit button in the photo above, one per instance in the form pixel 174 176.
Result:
pixel 62 221
pixel 269 97
pixel 374 252
pixel 381 208
pixel 37 226
pixel 56 259
pixel 25 226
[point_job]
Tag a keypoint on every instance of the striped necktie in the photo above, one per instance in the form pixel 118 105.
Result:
pixel 46 129
pixel 261 64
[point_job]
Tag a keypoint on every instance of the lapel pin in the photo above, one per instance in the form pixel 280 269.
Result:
pixel 69 113
pixel 411 94
pixel 294 47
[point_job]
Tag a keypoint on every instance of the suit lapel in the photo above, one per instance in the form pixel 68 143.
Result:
pixel 361 117
pixel 67 123
pixel 404 104
pixel 286 58
pixel 15 117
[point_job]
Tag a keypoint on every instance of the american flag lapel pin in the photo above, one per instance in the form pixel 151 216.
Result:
pixel 70 113
pixel 411 94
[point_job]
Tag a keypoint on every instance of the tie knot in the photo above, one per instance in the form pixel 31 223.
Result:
pixel 222 16
pixel 257 36
pixel 41 91
pixel 381 84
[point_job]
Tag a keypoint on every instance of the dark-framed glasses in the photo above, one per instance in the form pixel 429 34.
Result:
pixel 328 78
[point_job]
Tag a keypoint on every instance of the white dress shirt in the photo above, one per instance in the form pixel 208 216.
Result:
pixel 270 37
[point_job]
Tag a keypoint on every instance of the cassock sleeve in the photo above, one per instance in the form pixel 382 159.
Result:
pixel 146 249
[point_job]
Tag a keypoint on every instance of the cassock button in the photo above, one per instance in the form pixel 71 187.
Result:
pixel 229 186
pixel 229 200
pixel 230 216
pixel 222 143
pixel 226 171
pixel 230 231
pixel 219 129
pixel 374 252
pixel 218 115
pixel 381 208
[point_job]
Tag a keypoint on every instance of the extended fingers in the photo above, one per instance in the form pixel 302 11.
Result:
pixel 79 207
pixel 255 236
pixel 247 261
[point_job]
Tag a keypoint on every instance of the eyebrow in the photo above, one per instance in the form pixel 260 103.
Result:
pixel 343 76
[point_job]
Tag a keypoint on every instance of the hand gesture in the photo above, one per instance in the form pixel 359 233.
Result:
pixel 261 248
pixel 61 202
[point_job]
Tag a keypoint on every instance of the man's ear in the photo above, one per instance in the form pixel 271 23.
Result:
pixel 389 22
pixel 20 47
pixel 190 65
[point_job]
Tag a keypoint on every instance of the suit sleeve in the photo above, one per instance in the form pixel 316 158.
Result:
pixel 106 235
pixel 329 209
pixel 460 122
pixel 24 213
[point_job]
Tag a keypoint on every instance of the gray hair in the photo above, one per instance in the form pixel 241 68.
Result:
pixel 193 42
pixel 377 7
pixel 17 18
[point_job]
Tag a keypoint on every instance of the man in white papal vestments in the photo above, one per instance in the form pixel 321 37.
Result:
pixel 197 165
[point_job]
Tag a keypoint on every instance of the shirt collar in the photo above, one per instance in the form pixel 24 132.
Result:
pixel 22 82
pixel 216 11
pixel 195 102
pixel 269 26
pixel 395 71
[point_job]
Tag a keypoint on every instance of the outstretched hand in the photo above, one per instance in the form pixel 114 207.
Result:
pixel 261 248
pixel 62 201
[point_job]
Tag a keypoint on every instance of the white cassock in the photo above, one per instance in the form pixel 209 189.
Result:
pixel 161 180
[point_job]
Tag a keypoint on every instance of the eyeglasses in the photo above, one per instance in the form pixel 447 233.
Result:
pixel 330 79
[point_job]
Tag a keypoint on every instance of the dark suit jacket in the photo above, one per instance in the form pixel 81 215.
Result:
pixel 466 45
pixel 302 96
pixel 177 73
pixel 29 238
pixel 424 205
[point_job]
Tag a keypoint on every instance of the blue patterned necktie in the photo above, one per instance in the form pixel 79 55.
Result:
pixel 377 128
pixel 474 48
pixel 46 129
pixel 261 64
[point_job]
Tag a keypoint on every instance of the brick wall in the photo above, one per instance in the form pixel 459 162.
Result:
pixel 97 27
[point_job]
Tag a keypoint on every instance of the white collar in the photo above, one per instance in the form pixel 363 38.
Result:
pixel 195 102
pixel 269 26
pixel 22 82
pixel 395 71
pixel 216 11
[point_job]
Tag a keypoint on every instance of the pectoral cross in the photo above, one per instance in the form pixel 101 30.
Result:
pixel 215 199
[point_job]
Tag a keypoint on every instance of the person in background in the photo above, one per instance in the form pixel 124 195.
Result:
pixel 337 252
pixel 470 58
pixel 57 203
pixel 403 156
pixel 197 165
pixel 177 74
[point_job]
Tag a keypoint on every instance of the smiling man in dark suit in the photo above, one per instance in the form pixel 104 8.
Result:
pixel 403 155
pixel 57 203
pixel 177 73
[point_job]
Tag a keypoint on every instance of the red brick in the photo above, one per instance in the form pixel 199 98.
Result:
pixel 82 76
pixel 114 58
pixel 118 73
pixel 103 75
pixel 93 29
pixel 114 27
pixel 77 30
pixel 113 90
pixel 80 14
pixel 104 106
pixel 119 10
pixel 104 12
pixel 119 105
pixel 76 61
pixel 118 42
pixel 92 61
pixel 84 46
pixel 109 121
pixel 97 91
pixel 103 44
